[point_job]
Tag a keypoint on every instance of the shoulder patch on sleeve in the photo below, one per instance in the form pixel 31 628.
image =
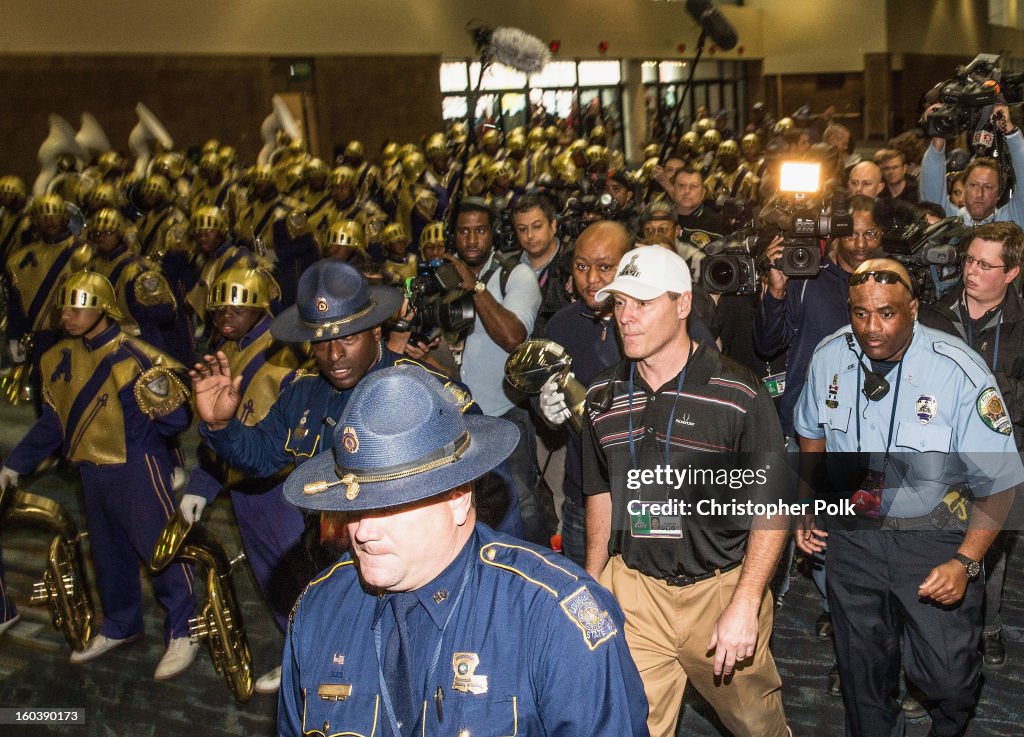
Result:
pixel 975 372
pixel 530 564
pixel 993 412
pixel 583 609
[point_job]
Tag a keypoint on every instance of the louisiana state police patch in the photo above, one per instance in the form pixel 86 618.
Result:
pixel 992 411
pixel 586 613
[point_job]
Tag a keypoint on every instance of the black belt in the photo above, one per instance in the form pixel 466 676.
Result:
pixel 690 580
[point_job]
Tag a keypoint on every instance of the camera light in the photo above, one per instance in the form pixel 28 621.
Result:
pixel 799 176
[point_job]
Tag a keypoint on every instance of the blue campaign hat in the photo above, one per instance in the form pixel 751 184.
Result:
pixel 401 439
pixel 333 300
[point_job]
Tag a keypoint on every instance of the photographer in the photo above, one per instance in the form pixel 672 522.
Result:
pixel 984 186
pixel 988 314
pixel 506 298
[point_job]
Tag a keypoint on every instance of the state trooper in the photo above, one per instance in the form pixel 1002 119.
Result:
pixel 341 315
pixel 112 403
pixel 472 630
pixel 909 417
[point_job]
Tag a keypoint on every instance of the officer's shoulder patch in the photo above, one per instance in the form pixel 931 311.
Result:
pixel 341 565
pixel 993 412
pixel 967 362
pixel 594 622
pixel 530 564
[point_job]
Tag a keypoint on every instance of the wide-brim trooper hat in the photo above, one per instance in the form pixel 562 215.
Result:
pixel 401 439
pixel 647 272
pixel 333 300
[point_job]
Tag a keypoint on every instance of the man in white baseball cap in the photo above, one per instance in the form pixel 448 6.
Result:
pixel 694 592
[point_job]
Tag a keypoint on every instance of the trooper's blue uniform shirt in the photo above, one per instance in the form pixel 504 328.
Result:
pixel 505 640
pixel 950 425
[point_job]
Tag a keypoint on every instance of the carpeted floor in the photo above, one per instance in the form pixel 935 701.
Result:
pixel 122 699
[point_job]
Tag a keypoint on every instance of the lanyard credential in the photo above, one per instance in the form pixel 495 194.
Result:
pixel 671 415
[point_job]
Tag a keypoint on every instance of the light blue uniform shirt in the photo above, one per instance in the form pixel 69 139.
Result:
pixel 483 360
pixel 950 426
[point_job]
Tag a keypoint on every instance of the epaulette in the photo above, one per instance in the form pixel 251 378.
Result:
pixel 340 565
pixel 304 373
pixel 572 594
pixel 840 333
pixel 968 363
pixel 463 399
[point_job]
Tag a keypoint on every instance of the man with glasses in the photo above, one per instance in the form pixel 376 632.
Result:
pixel 988 314
pixel 983 184
pixel 894 168
pixel 905 414
pixel 797 316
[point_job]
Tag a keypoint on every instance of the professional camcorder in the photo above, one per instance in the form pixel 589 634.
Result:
pixel 930 253
pixel 436 296
pixel 965 97
pixel 800 214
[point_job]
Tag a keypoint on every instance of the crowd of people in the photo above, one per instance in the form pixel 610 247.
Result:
pixel 339 334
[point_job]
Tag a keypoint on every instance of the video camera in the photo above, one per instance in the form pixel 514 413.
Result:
pixel 435 295
pixel 800 214
pixel 930 253
pixel 964 98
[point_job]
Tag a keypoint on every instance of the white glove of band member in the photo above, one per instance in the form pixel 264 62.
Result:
pixel 17 352
pixel 552 403
pixel 192 506
pixel 8 477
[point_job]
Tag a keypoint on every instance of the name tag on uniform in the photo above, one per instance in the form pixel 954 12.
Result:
pixel 775 384
pixel 334 691
pixel 645 524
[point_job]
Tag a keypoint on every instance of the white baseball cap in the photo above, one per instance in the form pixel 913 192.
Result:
pixel 647 272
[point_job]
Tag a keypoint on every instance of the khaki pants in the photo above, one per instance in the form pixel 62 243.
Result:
pixel 668 629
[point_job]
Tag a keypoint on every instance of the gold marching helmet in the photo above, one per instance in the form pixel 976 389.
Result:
pixel 103 195
pixel 242 285
pixel 394 232
pixel 432 233
pixel 413 166
pixel 346 233
pixel 12 190
pixel 436 145
pixel 341 175
pixel 711 139
pixel 107 220
pixel 48 205
pixel 355 151
pixel 729 148
pixel 209 217
pixel 88 290
pixel 157 187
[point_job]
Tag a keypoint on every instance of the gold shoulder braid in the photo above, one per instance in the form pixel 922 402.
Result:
pixel 159 391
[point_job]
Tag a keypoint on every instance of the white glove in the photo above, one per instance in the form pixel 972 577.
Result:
pixel 552 403
pixel 8 477
pixel 192 506
pixel 17 352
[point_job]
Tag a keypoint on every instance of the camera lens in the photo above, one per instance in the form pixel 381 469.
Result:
pixel 720 274
pixel 800 258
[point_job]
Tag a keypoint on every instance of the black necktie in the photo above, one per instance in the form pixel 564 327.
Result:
pixel 398 662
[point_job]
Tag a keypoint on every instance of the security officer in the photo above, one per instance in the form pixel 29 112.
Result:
pixel 111 404
pixel 472 631
pixel 907 415
pixel 341 316
pixel 239 301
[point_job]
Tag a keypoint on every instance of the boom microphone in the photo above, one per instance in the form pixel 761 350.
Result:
pixel 511 47
pixel 713 23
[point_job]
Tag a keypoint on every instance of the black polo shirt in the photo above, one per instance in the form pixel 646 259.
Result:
pixel 721 419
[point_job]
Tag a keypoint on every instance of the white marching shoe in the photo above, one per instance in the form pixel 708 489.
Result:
pixel 181 651
pixel 269 682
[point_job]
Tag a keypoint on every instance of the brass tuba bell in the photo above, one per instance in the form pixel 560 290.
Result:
pixel 536 361
pixel 220 620
pixel 64 588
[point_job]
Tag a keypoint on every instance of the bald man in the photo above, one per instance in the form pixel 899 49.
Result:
pixel 898 407
pixel 866 179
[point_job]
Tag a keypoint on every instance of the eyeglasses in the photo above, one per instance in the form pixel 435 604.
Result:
pixel 983 265
pixel 882 276
pixel 867 235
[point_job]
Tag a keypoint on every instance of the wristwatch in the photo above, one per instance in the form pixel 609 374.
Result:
pixel 479 287
pixel 973 567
